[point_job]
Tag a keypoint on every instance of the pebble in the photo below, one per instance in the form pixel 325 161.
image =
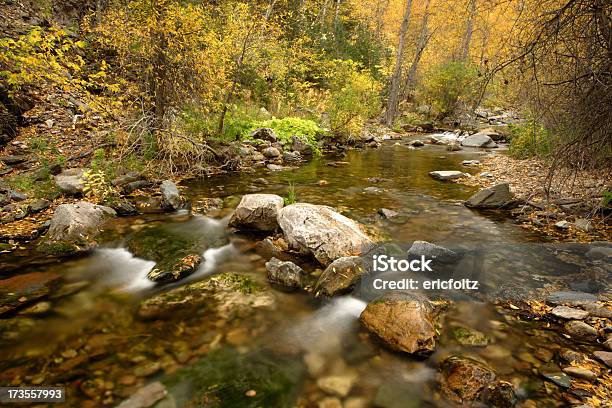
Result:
pixel 339 385
pixel 605 357
pixel 147 369
pixel 570 313
pixel 581 373
pixel 251 393
pixel 581 330
pixel 560 378
pixel 563 225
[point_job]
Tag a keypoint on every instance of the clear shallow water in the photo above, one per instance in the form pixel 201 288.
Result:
pixel 98 325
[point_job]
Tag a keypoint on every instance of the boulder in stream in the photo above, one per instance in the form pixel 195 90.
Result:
pixel 340 276
pixel 257 212
pixel 403 321
pixel 284 273
pixel 171 195
pixel 464 380
pixel 497 196
pixel 479 140
pixel 74 227
pixel 447 175
pixel 320 231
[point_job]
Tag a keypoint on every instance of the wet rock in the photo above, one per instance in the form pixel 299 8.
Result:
pixel 580 372
pixel 70 181
pixel 416 143
pixel 171 196
pixel 339 385
pixel 569 313
pixel 129 188
pixel 568 356
pixel 322 232
pixel 285 274
pixel 257 212
pixel 559 378
pixel 479 140
pixel 300 144
pixel 464 379
pixel 388 214
pixel 74 227
pixel 470 163
pixel 404 322
pixel 292 156
pixel 501 395
pixel 340 276
pixel 126 179
pixel 174 269
pixel 470 337
pixel 271 153
pixel 570 298
pixel 20 290
pixel 148 204
pixel 147 369
pixel 146 396
pixel 266 134
pixel 38 206
pixel 604 356
pixel 124 208
pixel 275 167
pixel 372 190
pixel 454 147
pixel 330 402
pixel 497 196
pixel 431 251
pixel 447 175
pixel 581 331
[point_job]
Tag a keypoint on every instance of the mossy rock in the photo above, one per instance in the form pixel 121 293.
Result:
pixel 223 378
pixel 62 248
pixel 469 337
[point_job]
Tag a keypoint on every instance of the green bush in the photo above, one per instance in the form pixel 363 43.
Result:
pixel 448 84
pixel 529 139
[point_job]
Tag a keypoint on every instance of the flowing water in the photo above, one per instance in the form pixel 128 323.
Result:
pixel 90 336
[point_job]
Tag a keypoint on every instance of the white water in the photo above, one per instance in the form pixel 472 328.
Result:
pixel 323 331
pixel 449 136
pixel 119 268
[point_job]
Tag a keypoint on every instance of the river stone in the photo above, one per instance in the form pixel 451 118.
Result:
pixel 339 385
pixel 271 153
pixel 174 269
pixel 464 379
pixel 454 147
pixel 470 337
pixel 322 232
pixel 170 194
pixel 126 178
pixel 146 396
pixel 300 144
pixel 479 140
pixel 387 213
pixel 285 273
pixel 581 331
pixel 340 276
pixel 559 378
pixel 38 206
pixel 605 357
pixel 292 156
pixel 266 134
pixel 570 298
pixel 501 395
pixel 447 175
pixel 570 313
pixel 257 212
pixel 580 372
pixel 497 196
pixel 20 290
pixel 70 181
pixel 404 322
pixel 74 227
pixel 431 251
pixel 563 225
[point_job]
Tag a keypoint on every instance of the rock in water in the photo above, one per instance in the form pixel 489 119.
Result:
pixel 322 232
pixel 70 181
pixel 431 251
pixel 497 196
pixel 146 396
pixel 340 276
pixel 465 379
pixel 284 273
pixel 403 321
pixel 74 227
pixel 447 175
pixel 479 140
pixel 301 145
pixel 174 269
pixel 257 212
pixel 271 153
pixel 171 195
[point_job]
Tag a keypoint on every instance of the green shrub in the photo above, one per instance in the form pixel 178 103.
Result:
pixel 529 139
pixel 291 197
pixel 448 84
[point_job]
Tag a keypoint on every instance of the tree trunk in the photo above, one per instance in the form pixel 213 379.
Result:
pixel 396 78
pixel 422 43
pixel 469 30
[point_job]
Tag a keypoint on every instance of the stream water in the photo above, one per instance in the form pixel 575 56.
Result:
pixel 89 335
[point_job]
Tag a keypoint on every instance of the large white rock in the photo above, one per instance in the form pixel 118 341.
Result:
pixel 322 232
pixel 479 140
pixel 257 212
pixel 70 181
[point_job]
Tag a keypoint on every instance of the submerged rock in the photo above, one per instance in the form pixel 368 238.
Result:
pixel 431 251
pixel 257 212
pixel 464 380
pixel 470 337
pixel 171 270
pixel 146 396
pixel 322 232
pixel 404 322
pixel 74 227
pixel 340 276
pixel 447 175
pixel 497 196
pixel 285 273
pixel 20 290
